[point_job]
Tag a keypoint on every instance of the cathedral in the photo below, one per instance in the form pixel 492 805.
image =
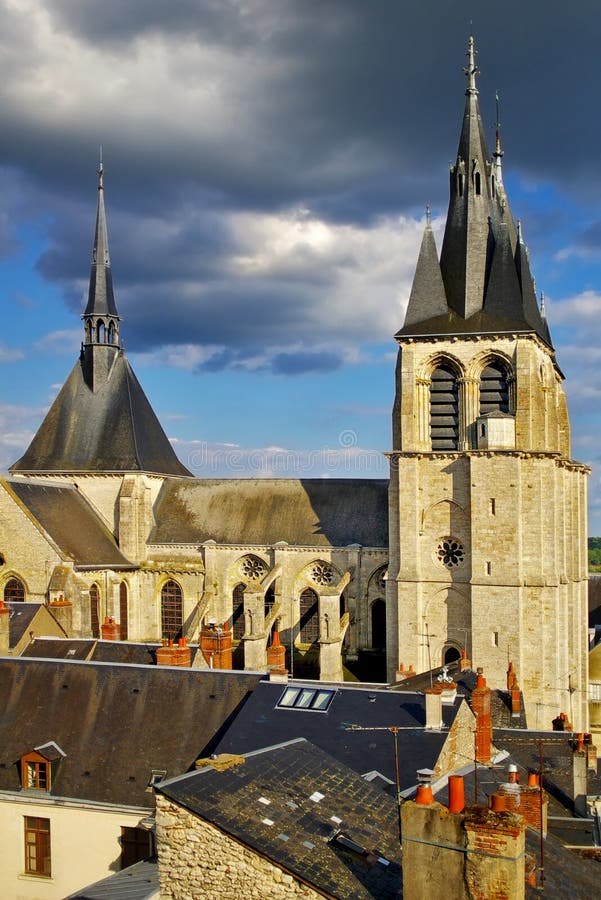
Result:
pixel 475 547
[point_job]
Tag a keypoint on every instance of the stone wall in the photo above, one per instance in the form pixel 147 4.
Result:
pixel 197 860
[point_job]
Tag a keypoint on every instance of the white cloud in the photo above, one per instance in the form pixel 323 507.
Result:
pixel 63 342
pixel 10 354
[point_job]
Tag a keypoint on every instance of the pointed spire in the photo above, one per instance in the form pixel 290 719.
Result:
pixel 531 312
pixel 101 300
pixel 464 250
pixel 503 295
pixel 498 154
pixel 428 298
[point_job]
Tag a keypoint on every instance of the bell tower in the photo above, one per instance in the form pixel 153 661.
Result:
pixel 488 550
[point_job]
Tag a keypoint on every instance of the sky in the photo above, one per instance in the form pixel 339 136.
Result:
pixel 267 168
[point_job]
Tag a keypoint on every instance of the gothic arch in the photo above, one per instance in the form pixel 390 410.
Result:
pixel 433 362
pixel 445 515
pixel 14 589
pixel 308 616
pixel 95 610
pixel 238 623
pixel 444 404
pixel 448 615
pixel 172 610
pixel 318 574
pixel 123 610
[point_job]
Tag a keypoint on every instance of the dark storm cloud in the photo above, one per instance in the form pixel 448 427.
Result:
pixel 207 109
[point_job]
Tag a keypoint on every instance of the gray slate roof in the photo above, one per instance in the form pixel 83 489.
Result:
pixel 114 723
pixel 137 882
pixel 261 722
pixel 113 429
pixel 288 776
pixel 67 517
pixel 303 512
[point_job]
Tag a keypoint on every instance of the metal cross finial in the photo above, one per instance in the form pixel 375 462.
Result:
pixel 471 70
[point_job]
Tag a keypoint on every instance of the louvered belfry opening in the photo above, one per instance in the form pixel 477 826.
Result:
pixel 494 389
pixel 444 409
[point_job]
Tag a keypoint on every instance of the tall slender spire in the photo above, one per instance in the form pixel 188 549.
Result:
pixel 498 154
pixel 464 250
pixel 101 305
pixel 100 317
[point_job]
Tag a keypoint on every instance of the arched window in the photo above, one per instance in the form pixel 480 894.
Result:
pixel 111 337
pixel 100 331
pixel 14 590
pixel 95 611
pixel 88 332
pixel 378 624
pixel 172 620
pixel 123 611
pixel 478 183
pixel 450 654
pixel 269 599
pixel 494 388
pixel 444 408
pixel 238 622
pixel 309 617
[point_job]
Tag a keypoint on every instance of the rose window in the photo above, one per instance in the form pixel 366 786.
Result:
pixel 253 568
pixel 450 553
pixel 322 573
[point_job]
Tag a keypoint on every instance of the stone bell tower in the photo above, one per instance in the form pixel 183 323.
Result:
pixel 488 525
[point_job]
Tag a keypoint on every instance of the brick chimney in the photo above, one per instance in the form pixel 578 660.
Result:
pixel 463 853
pixel 464 661
pixel 171 654
pixel 110 630
pixel 514 691
pixel 276 657
pixel 591 752
pixel 481 708
pixel 434 707
pixel 4 629
pixel 62 610
pixel 216 645
pixel 579 776
pixel 561 723
pixel 525 799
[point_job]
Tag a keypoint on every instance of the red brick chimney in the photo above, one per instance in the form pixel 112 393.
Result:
pixel 514 691
pixel 561 723
pixel 481 708
pixel 171 654
pixel 216 645
pixel 276 658
pixel 62 610
pixel 110 630
pixel 525 799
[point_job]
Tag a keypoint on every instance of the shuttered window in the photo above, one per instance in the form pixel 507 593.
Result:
pixel 494 390
pixel 444 409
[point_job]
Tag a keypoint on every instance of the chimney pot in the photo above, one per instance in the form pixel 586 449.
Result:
pixel 532 779
pixel 456 793
pixel 424 795
pixel 497 803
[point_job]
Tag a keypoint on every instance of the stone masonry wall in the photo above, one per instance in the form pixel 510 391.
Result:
pixel 196 860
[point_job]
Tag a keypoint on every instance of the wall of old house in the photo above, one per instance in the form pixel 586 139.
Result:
pixel 198 860
pixel 84 845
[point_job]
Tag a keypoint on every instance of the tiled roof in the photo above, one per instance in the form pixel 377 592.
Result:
pixel 114 723
pixel 69 520
pixel 261 722
pixel 303 512
pixel 309 796
pixel 137 882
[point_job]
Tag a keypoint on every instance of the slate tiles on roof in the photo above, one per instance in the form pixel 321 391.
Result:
pixel 260 722
pixel 137 882
pixel 121 433
pixel 60 648
pixel 288 776
pixel 70 521
pixel 262 511
pixel 114 723
pixel 20 619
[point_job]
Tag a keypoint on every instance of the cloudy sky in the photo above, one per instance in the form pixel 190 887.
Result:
pixel 267 167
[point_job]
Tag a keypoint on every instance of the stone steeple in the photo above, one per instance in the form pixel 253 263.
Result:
pixel 101 319
pixel 101 420
pixel 487 285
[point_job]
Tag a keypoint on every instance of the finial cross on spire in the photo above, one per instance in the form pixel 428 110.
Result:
pixel 471 70
pixel 100 171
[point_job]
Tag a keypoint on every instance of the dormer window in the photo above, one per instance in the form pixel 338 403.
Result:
pixel 38 766
pixel 36 773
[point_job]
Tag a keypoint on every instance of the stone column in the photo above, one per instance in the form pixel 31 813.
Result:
pixel 255 637
pixel 423 412
pixel 469 408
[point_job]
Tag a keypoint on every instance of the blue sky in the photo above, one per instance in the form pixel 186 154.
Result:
pixel 267 167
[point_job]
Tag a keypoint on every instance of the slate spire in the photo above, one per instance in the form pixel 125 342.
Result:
pixel 466 239
pixel 427 298
pixel 101 319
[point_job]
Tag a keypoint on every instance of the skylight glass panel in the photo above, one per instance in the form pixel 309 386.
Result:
pixel 289 696
pixel 305 699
